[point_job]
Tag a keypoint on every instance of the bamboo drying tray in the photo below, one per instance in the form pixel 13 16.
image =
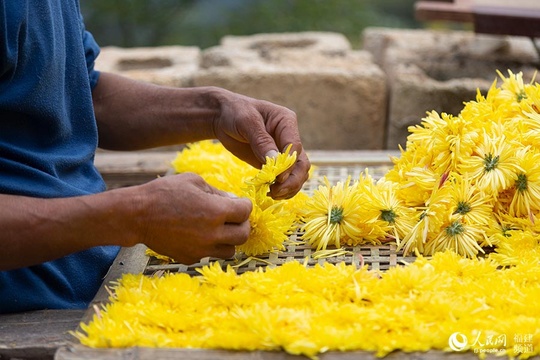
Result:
pixel 336 166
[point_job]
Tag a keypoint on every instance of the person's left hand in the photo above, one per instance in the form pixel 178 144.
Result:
pixel 254 129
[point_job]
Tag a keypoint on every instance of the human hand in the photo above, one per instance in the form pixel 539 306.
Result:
pixel 253 129
pixel 187 219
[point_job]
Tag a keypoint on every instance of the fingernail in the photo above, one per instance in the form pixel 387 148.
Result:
pixel 231 195
pixel 272 154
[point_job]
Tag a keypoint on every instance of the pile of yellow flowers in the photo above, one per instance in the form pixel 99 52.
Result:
pixel 463 183
pixel 310 311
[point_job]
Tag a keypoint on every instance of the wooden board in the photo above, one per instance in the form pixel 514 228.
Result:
pixel 77 352
pixel 458 11
pixel 121 169
pixel 37 334
pixel 497 17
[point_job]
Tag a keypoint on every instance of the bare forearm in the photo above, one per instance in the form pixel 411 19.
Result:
pixel 180 216
pixel 134 115
pixel 38 230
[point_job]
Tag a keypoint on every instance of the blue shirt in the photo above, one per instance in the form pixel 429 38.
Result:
pixel 48 138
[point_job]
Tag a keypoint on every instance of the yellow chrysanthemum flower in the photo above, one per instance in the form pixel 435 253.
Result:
pixel 457 236
pixel 429 220
pixel 269 229
pixel 270 221
pixel 447 137
pixel 468 202
pixel 512 88
pixel 493 164
pixel 330 215
pixel 526 198
pixel 271 169
pixel 396 219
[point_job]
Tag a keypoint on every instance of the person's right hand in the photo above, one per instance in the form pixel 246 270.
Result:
pixel 185 218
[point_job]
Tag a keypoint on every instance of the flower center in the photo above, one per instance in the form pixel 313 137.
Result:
pixel 462 208
pixel 521 183
pixel 336 215
pixel 490 162
pixel 455 228
pixel 521 96
pixel 388 216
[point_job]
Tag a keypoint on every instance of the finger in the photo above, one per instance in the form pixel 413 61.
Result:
pixel 281 178
pixel 222 244
pixel 272 129
pixel 282 125
pixel 222 251
pixel 227 206
pixel 236 210
pixel 232 235
pixel 236 234
pixel 294 182
pixel 261 142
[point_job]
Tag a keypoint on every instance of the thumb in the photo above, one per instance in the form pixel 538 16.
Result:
pixel 238 209
pixel 262 144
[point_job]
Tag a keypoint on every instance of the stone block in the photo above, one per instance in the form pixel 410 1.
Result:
pixel 165 65
pixel 329 43
pixel 339 97
pixel 440 70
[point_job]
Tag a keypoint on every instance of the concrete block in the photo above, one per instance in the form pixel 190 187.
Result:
pixel 165 65
pixel 329 43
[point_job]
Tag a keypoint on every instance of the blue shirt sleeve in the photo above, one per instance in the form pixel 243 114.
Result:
pixel 91 51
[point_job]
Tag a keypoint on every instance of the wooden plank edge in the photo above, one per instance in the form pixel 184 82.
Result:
pixel 36 334
pixel 159 163
pixel 136 162
pixel 436 10
pixel 514 21
pixel 132 260
pixel 351 157
pixel 140 353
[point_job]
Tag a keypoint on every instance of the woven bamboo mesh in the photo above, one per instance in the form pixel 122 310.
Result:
pixel 377 257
